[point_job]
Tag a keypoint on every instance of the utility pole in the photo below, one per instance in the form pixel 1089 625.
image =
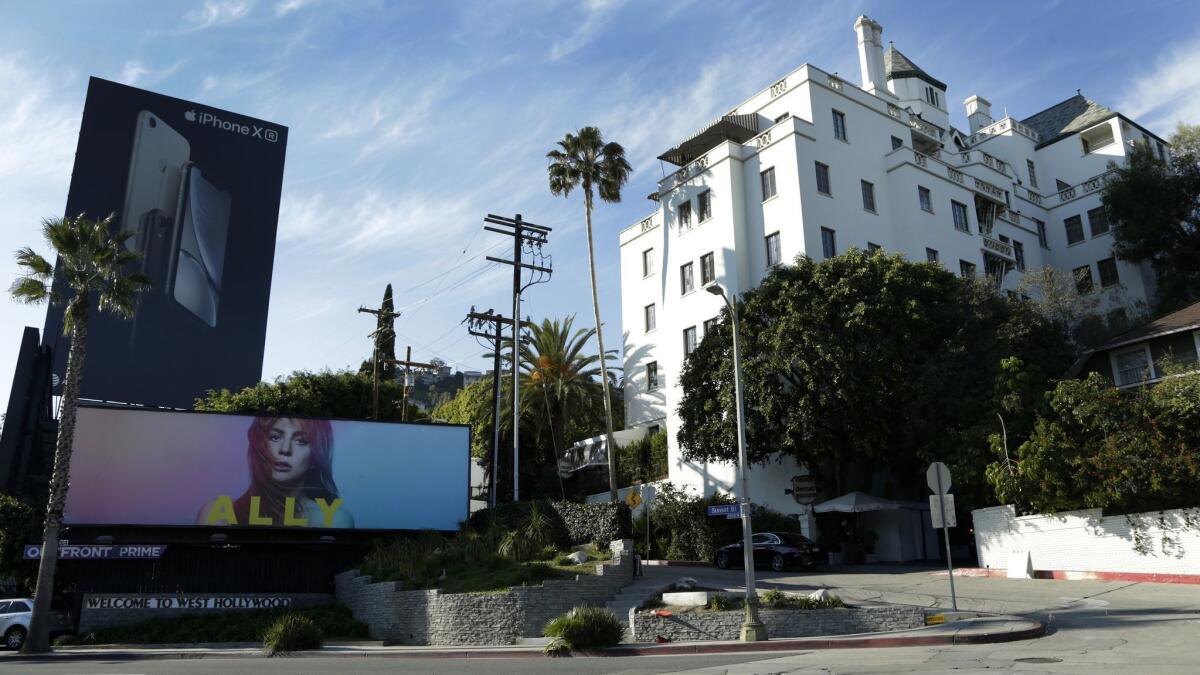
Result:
pixel 381 315
pixel 409 363
pixel 525 236
pixel 489 325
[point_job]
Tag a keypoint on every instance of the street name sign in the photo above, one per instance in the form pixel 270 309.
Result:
pixel 727 510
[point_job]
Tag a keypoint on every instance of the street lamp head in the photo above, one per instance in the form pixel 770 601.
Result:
pixel 715 289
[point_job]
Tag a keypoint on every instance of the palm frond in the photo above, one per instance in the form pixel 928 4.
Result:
pixel 29 291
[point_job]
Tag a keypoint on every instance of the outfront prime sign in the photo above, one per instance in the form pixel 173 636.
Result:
pixel 98 552
pixel 142 467
pixel 197 189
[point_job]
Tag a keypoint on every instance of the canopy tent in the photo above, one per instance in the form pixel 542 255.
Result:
pixel 857 502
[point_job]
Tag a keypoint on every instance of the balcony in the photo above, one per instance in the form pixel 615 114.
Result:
pixel 924 128
pixel 998 247
pixel 1006 124
pixel 1085 188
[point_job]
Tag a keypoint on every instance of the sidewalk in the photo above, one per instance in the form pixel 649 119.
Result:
pixel 991 629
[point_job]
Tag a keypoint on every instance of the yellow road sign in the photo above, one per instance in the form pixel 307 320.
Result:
pixel 633 499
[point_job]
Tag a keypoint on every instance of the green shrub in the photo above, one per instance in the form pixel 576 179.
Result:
pixel 571 524
pixel 723 603
pixel 291 633
pixel 643 460
pixel 584 628
pixel 774 597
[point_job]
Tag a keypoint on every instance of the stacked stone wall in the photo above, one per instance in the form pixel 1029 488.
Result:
pixel 780 623
pixel 436 618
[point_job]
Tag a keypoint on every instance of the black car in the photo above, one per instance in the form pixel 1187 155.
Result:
pixel 777 550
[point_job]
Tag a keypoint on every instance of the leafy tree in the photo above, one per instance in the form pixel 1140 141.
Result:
pixel 320 394
pixel 1155 210
pixel 644 459
pixel 584 159
pixel 1101 447
pixel 864 362
pixel 20 523
pixel 93 261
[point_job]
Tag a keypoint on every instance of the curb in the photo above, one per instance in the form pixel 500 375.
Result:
pixel 1071 575
pixel 1037 630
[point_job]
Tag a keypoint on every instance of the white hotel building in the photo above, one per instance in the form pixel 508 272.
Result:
pixel 814 165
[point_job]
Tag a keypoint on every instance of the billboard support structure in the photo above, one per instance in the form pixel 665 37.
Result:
pixel 535 236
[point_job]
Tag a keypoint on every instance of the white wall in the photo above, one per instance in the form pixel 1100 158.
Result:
pixel 1087 541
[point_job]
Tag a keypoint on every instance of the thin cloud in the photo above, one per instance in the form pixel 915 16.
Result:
pixel 288 6
pixel 598 14
pixel 216 12
pixel 1170 92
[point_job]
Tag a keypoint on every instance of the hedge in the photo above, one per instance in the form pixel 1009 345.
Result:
pixel 574 524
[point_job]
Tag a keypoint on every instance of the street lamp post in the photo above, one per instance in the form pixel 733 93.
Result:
pixel 753 629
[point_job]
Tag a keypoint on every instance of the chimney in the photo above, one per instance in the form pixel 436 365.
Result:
pixel 979 112
pixel 870 54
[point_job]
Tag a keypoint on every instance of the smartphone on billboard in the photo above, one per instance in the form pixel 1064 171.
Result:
pixel 159 154
pixel 201 232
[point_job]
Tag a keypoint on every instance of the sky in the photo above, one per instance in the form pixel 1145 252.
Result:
pixel 410 121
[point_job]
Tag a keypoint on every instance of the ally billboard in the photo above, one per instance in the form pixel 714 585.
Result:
pixel 154 467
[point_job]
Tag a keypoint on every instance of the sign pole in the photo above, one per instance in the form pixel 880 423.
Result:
pixel 946 537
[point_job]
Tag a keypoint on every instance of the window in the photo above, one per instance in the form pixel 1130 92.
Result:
pixel 711 324
pixel 768 183
pixel 1019 254
pixel 689 340
pixel 959 210
pixel 1083 279
pixel 647 262
pixel 1132 366
pixel 1032 172
pixel 782 118
pixel 931 255
pixel 774 254
pixel 708 270
pixel 1098 221
pixel 1042 240
pixel 823 178
pixel 686 282
pixel 966 269
pixel 931 97
pixel 704 205
pixel 1108 272
pixel 651 318
pixel 1074 226
pixel 872 247
pixel 839 126
pixel 868 192
pixel 1097 137
pixel 897 143
pixel 652 376
pixel 685 214
pixel 1162 153
pixel 924 197
pixel 828 242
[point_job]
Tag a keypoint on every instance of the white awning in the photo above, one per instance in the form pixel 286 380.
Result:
pixel 857 502
pixel 594 451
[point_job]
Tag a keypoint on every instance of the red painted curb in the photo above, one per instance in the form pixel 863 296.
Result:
pixel 781 645
pixel 1071 575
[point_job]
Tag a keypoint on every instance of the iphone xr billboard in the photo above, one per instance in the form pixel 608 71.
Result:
pixel 158 467
pixel 198 188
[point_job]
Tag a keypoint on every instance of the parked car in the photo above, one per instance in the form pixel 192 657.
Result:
pixel 15 614
pixel 777 550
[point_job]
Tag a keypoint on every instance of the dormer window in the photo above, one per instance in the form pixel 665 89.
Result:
pixel 1097 137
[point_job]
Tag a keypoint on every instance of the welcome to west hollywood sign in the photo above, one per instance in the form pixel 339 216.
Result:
pixel 188 602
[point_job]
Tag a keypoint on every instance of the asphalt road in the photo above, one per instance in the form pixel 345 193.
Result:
pixel 1094 627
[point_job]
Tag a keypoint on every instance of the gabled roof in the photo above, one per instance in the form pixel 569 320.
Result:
pixel 1178 321
pixel 1062 119
pixel 897 65
pixel 1184 319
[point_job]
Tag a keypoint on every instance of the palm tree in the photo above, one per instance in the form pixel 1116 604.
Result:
pixel 586 160
pixel 93 262
pixel 559 383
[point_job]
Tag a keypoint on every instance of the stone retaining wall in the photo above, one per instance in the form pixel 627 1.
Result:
pixel 436 618
pixel 780 623
pixel 106 610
